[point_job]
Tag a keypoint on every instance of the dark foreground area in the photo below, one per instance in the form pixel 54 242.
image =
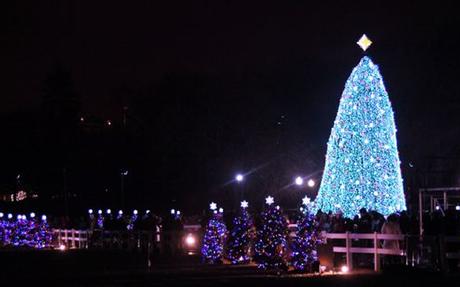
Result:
pixel 121 268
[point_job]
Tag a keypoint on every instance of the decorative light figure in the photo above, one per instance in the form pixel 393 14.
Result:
pixel 99 211
pixel 173 211
pixel 311 183
pixel 244 204
pixel 269 200
pixel 364 42
pixel 10 216
pixel 306 200
pixel 178 212
pixel 221 210
pixel 32 215
pixel 213 206
pixel 120 212
pixel 90 211
pixel 109 211
pixel 135 212
pixel 44 217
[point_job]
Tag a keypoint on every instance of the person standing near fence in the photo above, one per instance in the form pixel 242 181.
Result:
pixel 391 226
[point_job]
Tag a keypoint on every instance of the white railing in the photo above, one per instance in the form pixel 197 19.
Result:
pixel 72 238
pixel 376 250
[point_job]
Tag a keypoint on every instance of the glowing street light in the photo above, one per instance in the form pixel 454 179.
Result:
pixel 299 181
pixel 190 240
pixel 239 177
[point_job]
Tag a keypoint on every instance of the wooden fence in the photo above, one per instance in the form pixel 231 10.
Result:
pixel 376 250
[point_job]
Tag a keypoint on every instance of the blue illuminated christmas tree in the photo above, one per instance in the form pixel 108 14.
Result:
pixel 239 241
pixel 215 234
pixel 304 246
pixel 272 234
pixel 362 162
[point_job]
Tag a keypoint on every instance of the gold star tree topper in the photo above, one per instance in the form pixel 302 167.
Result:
pixel 364 42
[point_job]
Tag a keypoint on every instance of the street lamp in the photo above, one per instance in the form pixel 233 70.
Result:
pixel 299 181
pixel 239 177
pixel 122 187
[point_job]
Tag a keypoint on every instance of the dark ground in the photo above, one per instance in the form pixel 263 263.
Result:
pixel 109 268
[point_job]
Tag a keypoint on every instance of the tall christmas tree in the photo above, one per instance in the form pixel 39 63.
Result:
pixel 362 162
pixel 239 242
pixel 215 233
pixel 270 247
pixel 304 246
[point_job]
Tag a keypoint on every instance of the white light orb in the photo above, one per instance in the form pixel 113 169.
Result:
pixel 173 211
pixel 239 177
pixel 311 183
pixel 299 180
pixel 1 214
pixel 10 215
pixel 344 269
pixel 457 207
pixel 62 247
pixel 120 212
pixel 221 210
pixel 32 215
pixel 147 211
pixel 90 211
pixel 178 212
pixel 190 240
pixel 99 211
pixel 135 212
pixel 109 211
pixel 43 217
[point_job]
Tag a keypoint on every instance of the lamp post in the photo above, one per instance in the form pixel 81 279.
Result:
pixel 239 178
pixel 122 188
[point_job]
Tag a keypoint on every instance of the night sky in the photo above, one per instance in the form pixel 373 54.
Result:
pixel 197 91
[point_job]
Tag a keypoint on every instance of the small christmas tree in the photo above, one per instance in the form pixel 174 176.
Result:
pixel 215 233
pixel 304 246
pixel 43 235
pixel 270 248
pixel 239 242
